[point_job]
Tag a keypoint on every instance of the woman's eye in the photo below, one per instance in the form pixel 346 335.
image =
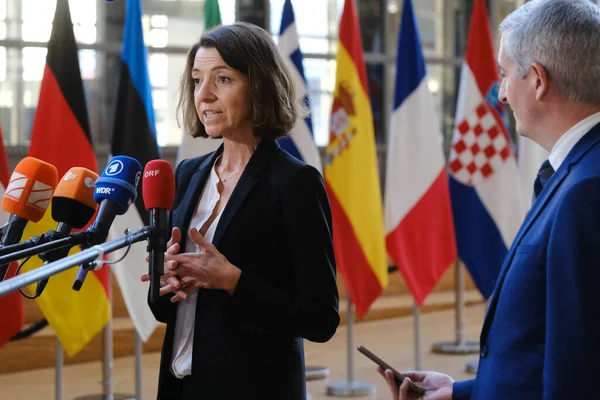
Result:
pixel 196 81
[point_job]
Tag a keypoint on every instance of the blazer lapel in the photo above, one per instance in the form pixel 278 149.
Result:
pixel 248 180
pixel 582 147
pixel 192 195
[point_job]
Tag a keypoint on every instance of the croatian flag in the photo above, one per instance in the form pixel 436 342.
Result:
pixel 418 215
pixel 484 187
pixel 300 142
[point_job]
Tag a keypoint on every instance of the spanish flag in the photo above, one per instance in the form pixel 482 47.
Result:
pixel 351 174
pixel 61 136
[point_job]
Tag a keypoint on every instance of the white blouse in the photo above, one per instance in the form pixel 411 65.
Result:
pixel 181 363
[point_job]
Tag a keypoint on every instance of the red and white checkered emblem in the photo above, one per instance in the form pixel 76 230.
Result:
pixel 478 148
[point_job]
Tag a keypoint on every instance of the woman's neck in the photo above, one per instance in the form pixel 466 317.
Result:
pixel 236 154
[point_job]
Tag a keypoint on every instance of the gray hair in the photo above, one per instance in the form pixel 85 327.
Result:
pixel 564 37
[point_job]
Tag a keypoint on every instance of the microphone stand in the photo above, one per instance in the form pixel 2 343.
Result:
pixel 48 244
pixel 85 257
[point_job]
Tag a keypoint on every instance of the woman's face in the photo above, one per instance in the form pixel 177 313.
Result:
pixel 221 95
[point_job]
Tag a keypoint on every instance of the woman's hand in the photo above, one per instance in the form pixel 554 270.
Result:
pixel 205 269
pixel 170 284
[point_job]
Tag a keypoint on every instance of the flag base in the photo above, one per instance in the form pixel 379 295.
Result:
pixel 314 373
pixel 351 389
pixel 471 367
pixel 116 396
pixel 455 348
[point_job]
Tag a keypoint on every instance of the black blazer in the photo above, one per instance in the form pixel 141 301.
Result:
pixel 277 229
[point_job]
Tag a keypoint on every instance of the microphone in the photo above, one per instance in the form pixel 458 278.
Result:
pixel 73 206
pixel 116 190
pixel 27 197
pixel 158 190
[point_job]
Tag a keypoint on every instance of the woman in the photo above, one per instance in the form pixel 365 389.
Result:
pixel 250 269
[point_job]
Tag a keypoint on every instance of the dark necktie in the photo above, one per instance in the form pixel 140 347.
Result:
pixel 543 177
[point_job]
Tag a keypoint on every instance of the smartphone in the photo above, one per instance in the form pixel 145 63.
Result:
pixel 414 389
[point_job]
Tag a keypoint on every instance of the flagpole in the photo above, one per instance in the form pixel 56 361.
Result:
pixel 107 360
pixel 58 370
pixel 138 366
pixel 350 388
pixel 460 346
pixel 417 333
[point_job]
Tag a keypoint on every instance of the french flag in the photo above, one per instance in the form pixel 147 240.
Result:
pixel 484 186
pixel 418 215
pixel 300 142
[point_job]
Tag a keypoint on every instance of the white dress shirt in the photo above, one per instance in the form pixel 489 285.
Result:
pixel 566 142
pixel 181 363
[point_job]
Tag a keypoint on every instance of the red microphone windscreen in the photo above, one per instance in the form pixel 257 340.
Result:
pixel 158 185
pixel 30 189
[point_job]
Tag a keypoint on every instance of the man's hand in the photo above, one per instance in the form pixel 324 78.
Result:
pixel 437 386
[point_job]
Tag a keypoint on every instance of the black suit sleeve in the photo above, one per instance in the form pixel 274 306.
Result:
pixel 163 309
pixel 310 309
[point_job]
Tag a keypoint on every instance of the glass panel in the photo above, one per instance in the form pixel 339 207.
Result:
pixel 85 33
pixel 159 21
pixel 227 8
pixel 37 11
pixel 311 17
pixel 370 13
pixel 320 103
pixel 34 60
pixel 87 63
pixel 83 11
pixel 36 31
pixel 159 37
pixel 375 79
pixel 158 65
pixel 2 64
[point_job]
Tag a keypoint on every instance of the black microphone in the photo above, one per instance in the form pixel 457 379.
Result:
pixel 158 190
pixel 26 198
pixel 115 191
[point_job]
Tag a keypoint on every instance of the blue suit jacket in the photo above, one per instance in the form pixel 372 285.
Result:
pixel 541 335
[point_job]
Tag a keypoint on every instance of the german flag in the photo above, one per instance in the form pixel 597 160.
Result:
pixel 10 304
pixel 351 175
pixel 61 136
pixel 134 135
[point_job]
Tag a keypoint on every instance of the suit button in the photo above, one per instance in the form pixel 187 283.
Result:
pixel 484 351
pixel 204 333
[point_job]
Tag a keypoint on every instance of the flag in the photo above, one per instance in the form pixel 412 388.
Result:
pixel 418 215
pixel 194 147
pixel 351 175
pixel 212 14
pixel 134 135
pixel 61 136
pixel 531 156
pixel 300 143
pixel 10 304
pixel 484 188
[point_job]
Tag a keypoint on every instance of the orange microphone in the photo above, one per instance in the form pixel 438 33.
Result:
pixel 73 201
pixel 26 199
pixel 73 206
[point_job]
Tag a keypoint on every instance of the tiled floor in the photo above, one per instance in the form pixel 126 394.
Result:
pixel 392 339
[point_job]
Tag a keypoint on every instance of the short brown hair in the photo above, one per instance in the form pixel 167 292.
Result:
pixel 250 50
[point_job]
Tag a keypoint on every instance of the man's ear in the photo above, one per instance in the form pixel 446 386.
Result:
pixel 540 79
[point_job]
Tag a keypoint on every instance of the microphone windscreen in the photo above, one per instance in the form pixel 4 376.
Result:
pixel 30 189
pixel 118 182
pixel 73 201
pixel 158 186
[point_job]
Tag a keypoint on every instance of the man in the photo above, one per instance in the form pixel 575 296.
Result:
pixel 541 335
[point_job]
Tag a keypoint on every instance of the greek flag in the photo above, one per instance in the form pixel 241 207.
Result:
pixel 300 142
